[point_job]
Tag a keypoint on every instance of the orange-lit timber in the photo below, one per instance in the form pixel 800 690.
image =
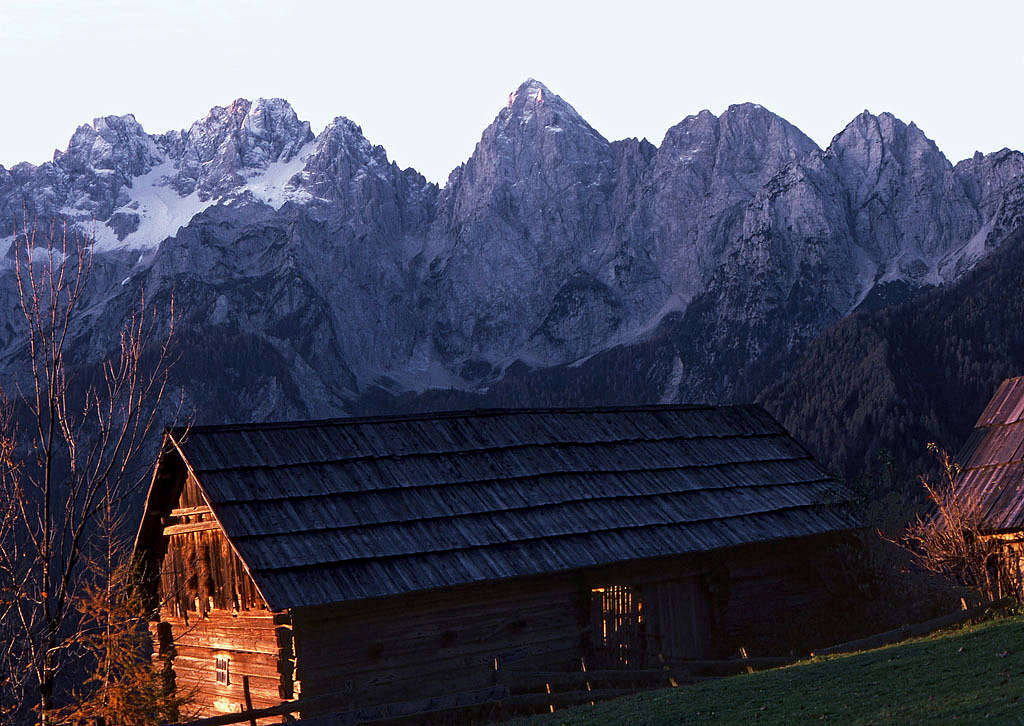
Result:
pixel 389 559
pixel 992 480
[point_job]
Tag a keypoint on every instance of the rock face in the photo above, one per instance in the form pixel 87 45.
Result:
pixel 218 152
pixel 908 209
pixel 521 226
pixel 553 265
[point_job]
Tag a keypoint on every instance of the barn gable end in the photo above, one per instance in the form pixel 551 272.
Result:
pixel 212 619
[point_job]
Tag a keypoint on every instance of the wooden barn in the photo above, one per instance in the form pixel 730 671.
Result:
pixel 993 479
pixel 388 559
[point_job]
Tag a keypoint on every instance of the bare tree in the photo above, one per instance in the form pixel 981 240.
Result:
pixel 950 541
pixel 122 686
pixel 76 453
pixel 11 685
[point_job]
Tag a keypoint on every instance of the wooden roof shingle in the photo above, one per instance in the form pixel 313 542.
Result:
pixel 993 459
pixel 323 512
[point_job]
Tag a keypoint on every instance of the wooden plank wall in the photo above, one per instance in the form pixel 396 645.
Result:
pixel 442 642
pixel 434 643
pixel 1011 571
pixel 677 625
pixel 253 643
pixel 199 569
pixel 1014 567
pixel 209 607
pixel 774 591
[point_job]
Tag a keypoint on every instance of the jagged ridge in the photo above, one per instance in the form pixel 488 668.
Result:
pixel 734 241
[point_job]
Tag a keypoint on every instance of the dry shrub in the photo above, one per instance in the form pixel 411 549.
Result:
pixel 950 540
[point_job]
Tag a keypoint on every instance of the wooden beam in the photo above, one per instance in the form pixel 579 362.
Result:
pixel 190 527
pixel 190 511
pixel 519 680
pixel 734 665
pixel 386 712
pixel 234 718
pixel 568 698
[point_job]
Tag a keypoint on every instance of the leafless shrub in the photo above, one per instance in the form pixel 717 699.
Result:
pixel 950 541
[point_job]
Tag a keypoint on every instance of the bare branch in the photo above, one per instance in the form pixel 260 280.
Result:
pixel 951 541
pixel 67 476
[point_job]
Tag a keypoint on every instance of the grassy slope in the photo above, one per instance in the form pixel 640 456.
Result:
pixel 969 676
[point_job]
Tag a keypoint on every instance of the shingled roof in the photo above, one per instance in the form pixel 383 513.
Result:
pixel 993 459
pixel 328 511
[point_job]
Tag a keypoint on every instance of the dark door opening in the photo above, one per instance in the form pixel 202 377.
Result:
pixel 617 624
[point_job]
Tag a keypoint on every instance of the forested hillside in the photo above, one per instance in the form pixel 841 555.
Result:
pixel 893 379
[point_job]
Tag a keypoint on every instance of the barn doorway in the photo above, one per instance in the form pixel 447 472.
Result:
pixel 617 624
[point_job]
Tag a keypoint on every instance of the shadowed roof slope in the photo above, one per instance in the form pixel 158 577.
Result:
pixel 327 511
pixel 993 459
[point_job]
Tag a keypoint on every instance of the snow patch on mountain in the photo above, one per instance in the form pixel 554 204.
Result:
pixel 963 259
pixel 866 274
pixel 161 212
pixel 272 184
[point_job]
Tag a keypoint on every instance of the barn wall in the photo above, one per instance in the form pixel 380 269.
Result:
pixel 675 608
pixel 678 623
pixel 420 645
pixel 427 644
pixel 1010 570
pixel 252 641
pixel 777 598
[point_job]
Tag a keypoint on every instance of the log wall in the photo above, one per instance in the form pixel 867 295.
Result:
pixel 427 644
pixel 1009 572
pixel 254 643
pixel 210 608
pixel 773 598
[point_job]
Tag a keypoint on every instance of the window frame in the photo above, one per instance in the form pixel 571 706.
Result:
pixel 222 669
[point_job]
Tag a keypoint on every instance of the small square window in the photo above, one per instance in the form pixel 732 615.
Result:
pixel 223 672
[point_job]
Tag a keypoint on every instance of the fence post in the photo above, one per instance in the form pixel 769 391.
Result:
pixel 744 656
pixel 248 700
pixel 583 667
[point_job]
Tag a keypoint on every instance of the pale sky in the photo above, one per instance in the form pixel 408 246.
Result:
pixel 425 78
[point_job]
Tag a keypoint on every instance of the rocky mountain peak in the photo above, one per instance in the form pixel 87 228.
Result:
pixel 746 140
pixel 342 132
pixel 755 143
pixel 908 211
pixel 342 155
pixel 274 123
pixel 536 135
pixel 95 172
pixel 988 177
pixel 217 151
pixel 755 123
pixel 112 143
pixel 876 140
pixel 534 110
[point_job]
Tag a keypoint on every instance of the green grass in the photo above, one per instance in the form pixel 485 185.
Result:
pixel 975 675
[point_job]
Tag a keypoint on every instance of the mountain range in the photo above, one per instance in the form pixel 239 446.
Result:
pixel 737 260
